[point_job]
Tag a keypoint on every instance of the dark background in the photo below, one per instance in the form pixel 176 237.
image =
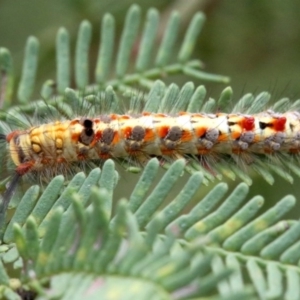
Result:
pixel 256 43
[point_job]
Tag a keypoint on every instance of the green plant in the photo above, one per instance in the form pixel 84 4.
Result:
pixel 65 241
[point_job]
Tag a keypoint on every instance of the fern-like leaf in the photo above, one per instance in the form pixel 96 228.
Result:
pixel 146 67
pixel 266 245
pixel 82 244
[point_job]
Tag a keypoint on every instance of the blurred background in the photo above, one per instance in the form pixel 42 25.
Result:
pixel 255 43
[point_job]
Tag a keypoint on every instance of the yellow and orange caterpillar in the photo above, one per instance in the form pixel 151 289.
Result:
pixel 45 147
pixel 205 138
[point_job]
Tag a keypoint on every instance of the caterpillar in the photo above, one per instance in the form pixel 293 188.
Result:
pixel 140 137
pixel 50 148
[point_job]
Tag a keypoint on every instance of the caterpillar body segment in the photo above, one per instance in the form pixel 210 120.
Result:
pixel 48 146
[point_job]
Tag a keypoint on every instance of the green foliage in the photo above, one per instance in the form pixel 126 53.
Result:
pixel 75 237
pixel 71 241
pixel 144 71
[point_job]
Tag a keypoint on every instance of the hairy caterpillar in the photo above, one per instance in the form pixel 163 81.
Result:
pixel 50 148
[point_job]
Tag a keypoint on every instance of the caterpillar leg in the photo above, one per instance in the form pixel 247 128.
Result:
pixel 6 197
